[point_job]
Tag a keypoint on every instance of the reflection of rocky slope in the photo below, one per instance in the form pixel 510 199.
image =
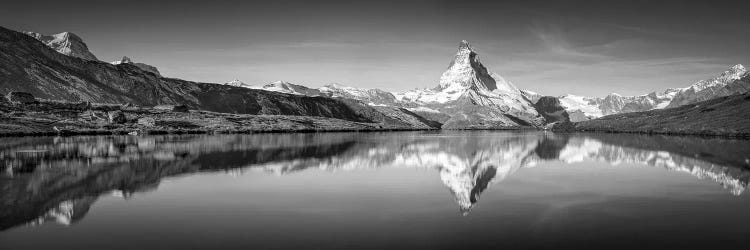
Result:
pixel 58 179
pixel 703 163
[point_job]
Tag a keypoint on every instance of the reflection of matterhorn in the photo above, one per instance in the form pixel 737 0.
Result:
pixel 467 184
pixel 469 165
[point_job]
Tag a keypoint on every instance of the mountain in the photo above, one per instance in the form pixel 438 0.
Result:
pixel 143 66
pixel 66 43
pixel 723 84
pixel 374 97
pixel 468 96
pixel 473 97
pixel 28 65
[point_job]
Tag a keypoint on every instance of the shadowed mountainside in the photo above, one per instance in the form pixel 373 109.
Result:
pixel 28 65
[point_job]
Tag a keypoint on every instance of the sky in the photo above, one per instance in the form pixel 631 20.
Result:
pixel 590 48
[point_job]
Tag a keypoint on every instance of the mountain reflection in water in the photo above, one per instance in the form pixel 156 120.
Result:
pixel 58 179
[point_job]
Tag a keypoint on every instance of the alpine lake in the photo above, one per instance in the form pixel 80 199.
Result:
pixel 375 190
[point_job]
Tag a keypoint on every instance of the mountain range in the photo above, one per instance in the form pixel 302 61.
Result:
pixel 467 96
pixel 724 84
pixel 467 81
pixel 28 65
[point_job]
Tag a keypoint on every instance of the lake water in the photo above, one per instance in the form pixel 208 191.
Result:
pixel 453 190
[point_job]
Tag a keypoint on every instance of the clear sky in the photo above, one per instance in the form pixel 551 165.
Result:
pixel 552 47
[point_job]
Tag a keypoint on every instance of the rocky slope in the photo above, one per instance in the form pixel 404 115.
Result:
pixel 30 66
pixel 726 116
pixel 289 88
pixel 66 43
pixel 44 117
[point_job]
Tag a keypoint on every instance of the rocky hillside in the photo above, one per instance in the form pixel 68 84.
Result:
pixel 723 84
pixel 727 116
pixel 28 65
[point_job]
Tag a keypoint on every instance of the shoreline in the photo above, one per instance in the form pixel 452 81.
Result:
pixel 141 132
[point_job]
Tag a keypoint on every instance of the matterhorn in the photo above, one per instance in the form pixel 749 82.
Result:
pixel 474 97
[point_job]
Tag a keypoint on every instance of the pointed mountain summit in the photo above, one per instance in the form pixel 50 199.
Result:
pixel 466 71
pixel 474 97
pixel 66 43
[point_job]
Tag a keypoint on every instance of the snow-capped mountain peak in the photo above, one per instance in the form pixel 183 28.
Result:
pixel 238 83
pixel 66 43
pixel 731 74
pixel 124 59
pixel 723 84
pixel 142 66
pixel 466 71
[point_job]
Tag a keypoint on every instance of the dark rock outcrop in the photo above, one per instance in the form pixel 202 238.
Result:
pixel 551 109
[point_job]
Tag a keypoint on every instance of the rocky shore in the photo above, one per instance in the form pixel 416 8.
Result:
pixel 21 114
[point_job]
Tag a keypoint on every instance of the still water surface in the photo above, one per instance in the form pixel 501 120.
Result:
pixel 454 190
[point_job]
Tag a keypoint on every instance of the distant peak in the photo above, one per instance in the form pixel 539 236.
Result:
pixel 335 85
pixel 279 82
pixel 65 43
